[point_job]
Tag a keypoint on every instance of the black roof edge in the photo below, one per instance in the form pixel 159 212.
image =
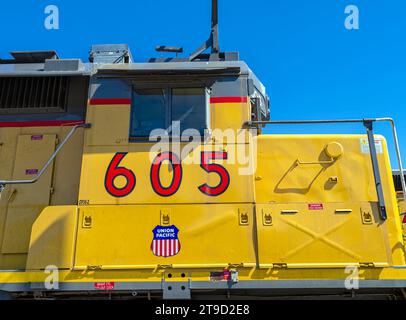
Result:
pixel 146 72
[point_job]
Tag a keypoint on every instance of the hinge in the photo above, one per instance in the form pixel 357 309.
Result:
pixel 51 190
pixel 366 265
pixel 12 195
pixel 93 268
pixel 234 276
pixel 56 141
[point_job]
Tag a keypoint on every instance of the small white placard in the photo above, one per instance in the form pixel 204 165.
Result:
pixel 365 145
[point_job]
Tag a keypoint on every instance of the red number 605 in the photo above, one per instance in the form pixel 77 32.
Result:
pixel 114 171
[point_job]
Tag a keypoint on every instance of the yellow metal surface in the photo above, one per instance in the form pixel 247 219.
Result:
pixel 308 211
pixel 110 125
pixel 26 201
pixel 208 235
pixel 402 206
pixel 323 217
pixel 21 204
pixel 138 159
pixel 53 233
pixel 196 275
pixel 329 237
pixel 284 180
pixel 109 135
pixel 324 212
pixel 222 118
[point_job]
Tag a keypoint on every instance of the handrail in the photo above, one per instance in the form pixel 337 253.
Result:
pixel 3 183
pixel 299 162
pixel 365 122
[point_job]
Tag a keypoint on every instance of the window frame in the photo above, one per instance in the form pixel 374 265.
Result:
pixel 168 87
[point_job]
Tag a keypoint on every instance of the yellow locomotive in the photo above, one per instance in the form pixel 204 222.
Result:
pixel 155 180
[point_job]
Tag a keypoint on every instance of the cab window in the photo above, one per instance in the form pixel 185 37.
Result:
pixel 189 108
pixel 148 111
pixel 158 108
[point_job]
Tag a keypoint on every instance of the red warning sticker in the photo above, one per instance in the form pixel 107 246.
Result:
pixel 225 275
pixel 315 206
pixel 104 285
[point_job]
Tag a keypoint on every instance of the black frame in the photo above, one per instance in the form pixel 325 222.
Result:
pixel 168 87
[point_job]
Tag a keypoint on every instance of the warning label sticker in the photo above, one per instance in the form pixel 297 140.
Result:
pixel 315 206
pixel 104 285
pixel 365 145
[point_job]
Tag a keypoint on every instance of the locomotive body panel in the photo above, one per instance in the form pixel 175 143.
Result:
pixel 132 202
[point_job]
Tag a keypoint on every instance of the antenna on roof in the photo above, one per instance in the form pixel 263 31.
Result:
pixel 213 41
pixel 215 27
pixel 169 49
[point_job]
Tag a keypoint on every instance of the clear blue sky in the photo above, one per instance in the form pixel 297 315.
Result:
pixel 312 66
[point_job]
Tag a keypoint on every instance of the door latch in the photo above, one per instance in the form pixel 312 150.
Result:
pixel 366 217
pixel 87 221
pixel 243 217
pixel 267 218
pixel 165 217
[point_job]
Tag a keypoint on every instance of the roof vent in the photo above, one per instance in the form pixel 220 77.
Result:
pixel 30 57
pixel 110 53
pixel 64 65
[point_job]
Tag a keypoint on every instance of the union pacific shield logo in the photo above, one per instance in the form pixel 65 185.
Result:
pixel 166 241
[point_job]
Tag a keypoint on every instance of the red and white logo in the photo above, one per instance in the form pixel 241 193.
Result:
pixel 165 242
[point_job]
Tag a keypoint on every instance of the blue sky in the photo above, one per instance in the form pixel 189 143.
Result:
pixel 312 66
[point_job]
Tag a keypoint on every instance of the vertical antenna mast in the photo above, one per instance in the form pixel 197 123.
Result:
pixel 215 47
pixel 213 41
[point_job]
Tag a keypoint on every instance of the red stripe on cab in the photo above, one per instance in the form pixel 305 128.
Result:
pixel 228 100
pixel 47 123
pixel 97 102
